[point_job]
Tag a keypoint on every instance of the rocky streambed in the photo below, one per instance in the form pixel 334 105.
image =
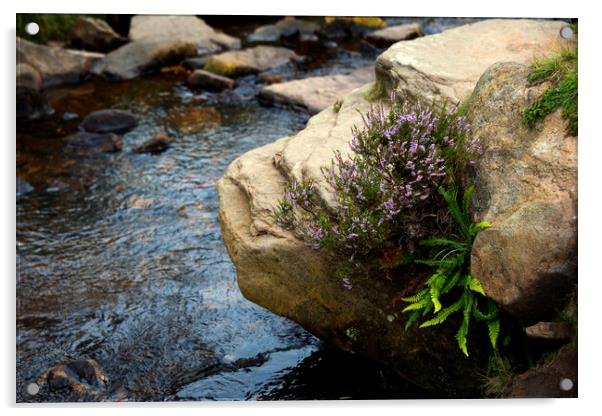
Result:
pixel 125 290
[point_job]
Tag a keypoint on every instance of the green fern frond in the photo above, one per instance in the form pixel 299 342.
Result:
pixel 475 285
pixel 451 283
pixel 463 330
pixel 466 199
pixel 444 314
pixel 418 305
pixel 494 331
pixel 492 311
pixel 411 319
pixel 418 296
pixel 435 298
pixel 453 208
pixel 435 241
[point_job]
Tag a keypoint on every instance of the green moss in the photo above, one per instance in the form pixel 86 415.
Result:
pixel 366 21
pixel 220 68
pixel 561 72
pixel 376 92
pixel 337 106
pixel 53 27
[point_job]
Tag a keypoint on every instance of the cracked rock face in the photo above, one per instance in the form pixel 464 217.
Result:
pixel 526 187
pixel 449 63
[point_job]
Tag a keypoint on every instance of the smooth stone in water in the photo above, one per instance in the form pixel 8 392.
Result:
pixel 23 187
pixel 156 145
pixel 209 81
pixel 393 34
pixel 85 142
pixel 249 61
pixel 109 121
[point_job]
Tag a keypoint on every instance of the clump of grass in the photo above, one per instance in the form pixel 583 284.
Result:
pixel 337 106
pixel 561 72
pixel 498 379
pixel 53 27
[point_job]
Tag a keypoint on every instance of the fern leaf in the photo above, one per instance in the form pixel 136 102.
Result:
pixel 451 283
pixel 482 225
pixel 463 330
pixel 436 241
pixel 494 331
pixel 444 314
pixel 454 209
pixel 492 311
pixel 411 319
pixel 475 285
pixel 418 296
pixel 418 305
pixel 435 298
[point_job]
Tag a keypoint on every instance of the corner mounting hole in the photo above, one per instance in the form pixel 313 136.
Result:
pixel 32 28
pixel 32 389
pixel 566 384
pixel 567 33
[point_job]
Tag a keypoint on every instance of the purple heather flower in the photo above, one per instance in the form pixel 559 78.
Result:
pixel 347 283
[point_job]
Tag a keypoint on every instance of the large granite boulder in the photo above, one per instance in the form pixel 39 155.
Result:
pixel 249 61
pixel 314 94
pixel 526 187
pixel 94 34
pixel 161 40
pixel 56 65
pixel 277 271
pixel 449 64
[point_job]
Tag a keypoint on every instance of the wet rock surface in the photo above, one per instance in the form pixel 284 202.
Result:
pixel 158 144
pixel 285 30
pixel 526 187
pixel 209 81
pixel 314 94
pixel 94 34
pixel 109 121
pixel 56 66
pixel 89 143
pixel 249 61
pixel 78 379
pixel 393 34
pixel 160 40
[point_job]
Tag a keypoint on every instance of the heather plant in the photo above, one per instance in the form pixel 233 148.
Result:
pixel 385 190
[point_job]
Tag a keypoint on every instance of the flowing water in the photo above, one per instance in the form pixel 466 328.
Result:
pixel 120 257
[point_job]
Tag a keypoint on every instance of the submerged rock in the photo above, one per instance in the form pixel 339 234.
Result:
pixel 162 40
pixel 87 143
pixel 276 270
pixel 450 63
pixel 94 34
pixel 249 61
pixel 194 119
pixel 55 65
pixel 31 104
pixel 314 94
pixel 159 143
pixel 393 34
pixel 109 121
pixel 526 187
pixel 209 81
pixel 80 378
pixel 23 188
